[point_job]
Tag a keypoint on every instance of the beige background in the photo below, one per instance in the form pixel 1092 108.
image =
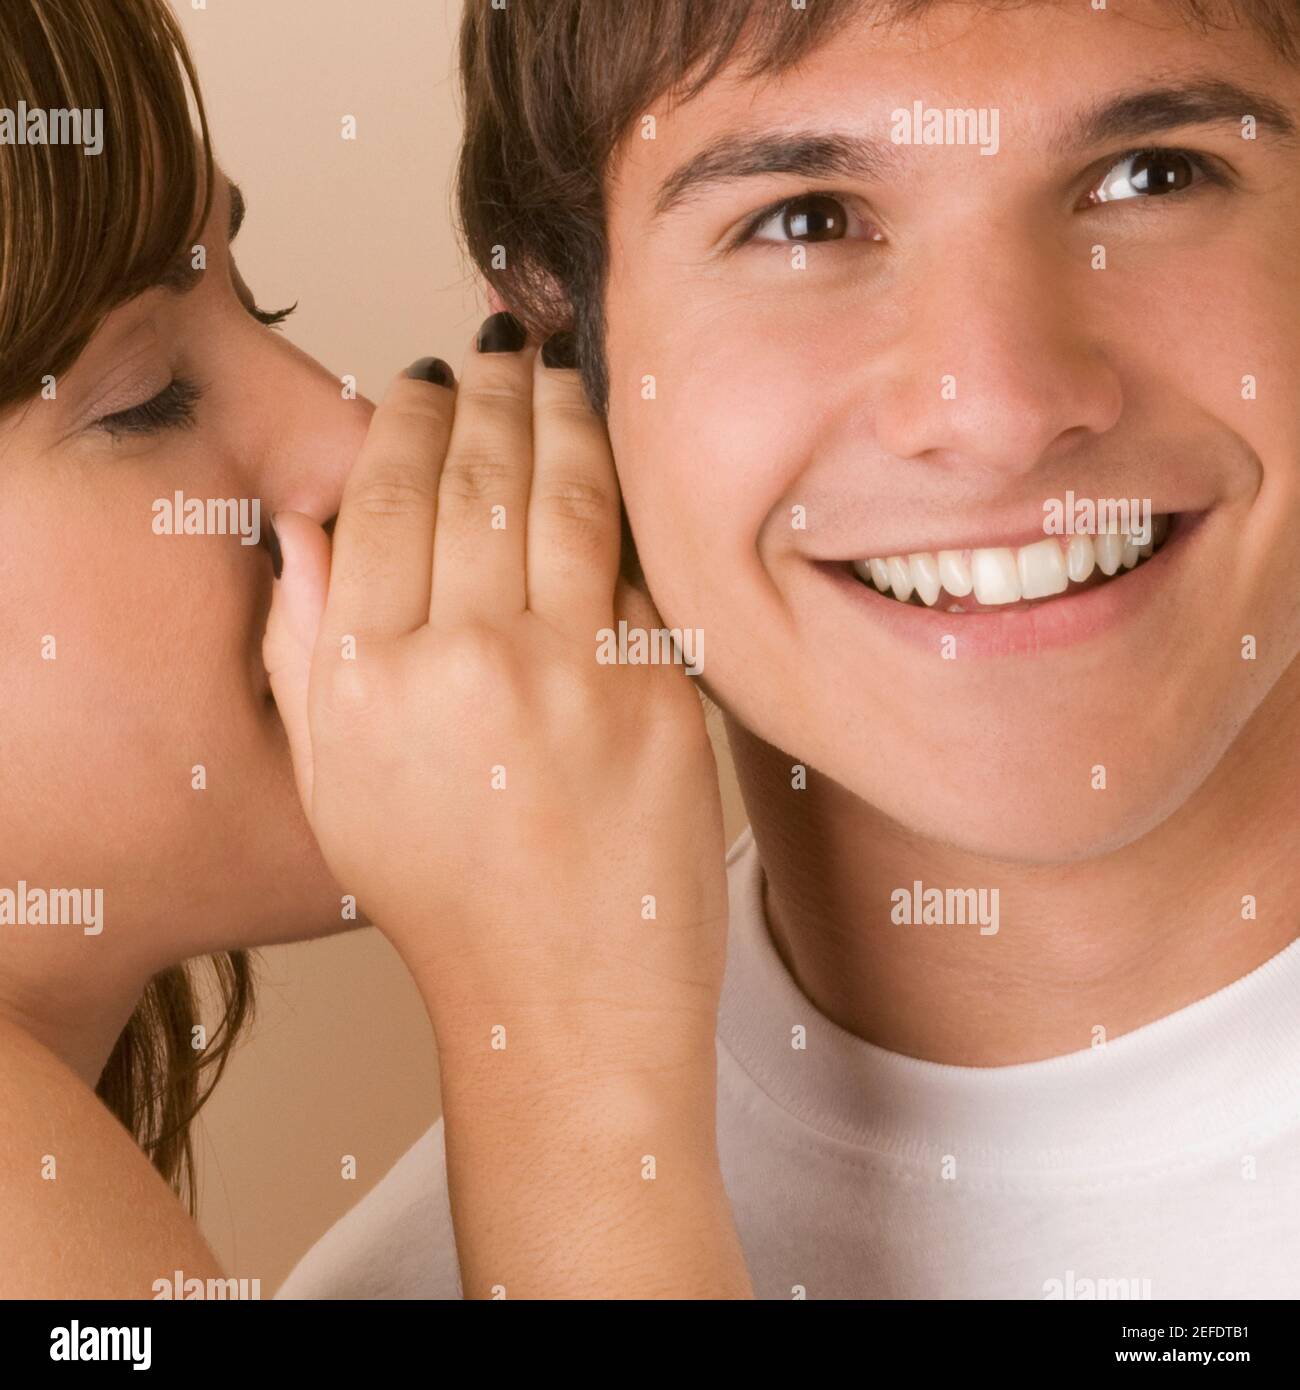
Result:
pixel 341 1060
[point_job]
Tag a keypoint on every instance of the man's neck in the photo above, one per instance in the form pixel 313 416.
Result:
pixel 1084 951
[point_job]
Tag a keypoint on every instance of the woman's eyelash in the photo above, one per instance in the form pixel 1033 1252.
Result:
pixel 172 408
pixel 272 317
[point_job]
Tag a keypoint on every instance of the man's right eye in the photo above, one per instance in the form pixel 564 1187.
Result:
pixel 811 217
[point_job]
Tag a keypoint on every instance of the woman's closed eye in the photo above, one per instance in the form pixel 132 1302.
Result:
pixel 174 407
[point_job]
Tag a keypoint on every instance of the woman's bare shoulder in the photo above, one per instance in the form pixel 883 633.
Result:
pixel 83 1214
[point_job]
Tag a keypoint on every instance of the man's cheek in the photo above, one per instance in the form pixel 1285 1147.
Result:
pixel 690 484
pixel 1234 345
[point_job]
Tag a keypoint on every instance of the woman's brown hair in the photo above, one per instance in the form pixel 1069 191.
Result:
pixel 80 234
pixel 552 86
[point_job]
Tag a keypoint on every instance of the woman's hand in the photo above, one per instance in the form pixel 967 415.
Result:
pixel 539 834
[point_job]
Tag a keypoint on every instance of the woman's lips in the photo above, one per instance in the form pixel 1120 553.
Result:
pixel 1082 611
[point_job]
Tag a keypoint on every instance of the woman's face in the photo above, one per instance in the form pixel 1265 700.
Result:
pixel 992 328
pixel 132 656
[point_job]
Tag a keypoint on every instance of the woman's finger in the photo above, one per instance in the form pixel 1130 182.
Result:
pixel 383 541
pixel 633 605
pixel 573 512
pixel 302 561
pixel 478 546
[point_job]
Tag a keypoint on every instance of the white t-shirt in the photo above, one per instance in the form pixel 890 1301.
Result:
pixel 1165 1164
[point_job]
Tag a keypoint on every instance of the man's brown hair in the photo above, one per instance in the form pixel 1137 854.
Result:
pixel 551 86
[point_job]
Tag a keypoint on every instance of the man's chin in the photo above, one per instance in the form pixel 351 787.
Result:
pixel 1030 822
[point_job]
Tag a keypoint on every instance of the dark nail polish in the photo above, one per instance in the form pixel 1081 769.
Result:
pixel 432 369
pixel 560 350
pixel 273 545
pixel 502 333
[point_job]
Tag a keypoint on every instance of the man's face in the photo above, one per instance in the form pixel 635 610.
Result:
pixel 927 345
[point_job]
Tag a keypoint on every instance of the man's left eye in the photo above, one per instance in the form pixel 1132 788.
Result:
pixel 1149 173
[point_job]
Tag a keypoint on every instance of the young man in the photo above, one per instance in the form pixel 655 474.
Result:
pixel 879 301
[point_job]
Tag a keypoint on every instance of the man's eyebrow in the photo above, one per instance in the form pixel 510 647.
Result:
pixel 818 155
pixel 181 277
pixel 745 156
pixel 1157 109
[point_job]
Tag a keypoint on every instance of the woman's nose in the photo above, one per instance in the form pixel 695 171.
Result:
pixel 315 425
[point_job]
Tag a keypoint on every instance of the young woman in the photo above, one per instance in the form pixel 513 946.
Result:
pixel 131 658
pixel 149 810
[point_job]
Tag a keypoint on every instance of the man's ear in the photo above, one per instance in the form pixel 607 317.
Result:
pixel 548 295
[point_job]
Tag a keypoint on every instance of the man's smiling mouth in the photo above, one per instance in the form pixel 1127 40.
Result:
pixel 999 578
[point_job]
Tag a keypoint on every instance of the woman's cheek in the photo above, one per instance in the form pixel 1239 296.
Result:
pixel 112 639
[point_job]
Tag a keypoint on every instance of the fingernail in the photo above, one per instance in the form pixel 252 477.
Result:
pixel 560 350
pixel 502 333
pixel 432 369
pixel 273 545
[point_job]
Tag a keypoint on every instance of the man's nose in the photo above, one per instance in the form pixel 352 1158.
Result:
pixel 995 369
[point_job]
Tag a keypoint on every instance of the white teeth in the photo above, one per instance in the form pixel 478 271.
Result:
pixel 1108 546
pixel 954 573
pixel 900 577
pixel 925 577
pixel 1003 574
pixel 1080 559
pixel 1042 570
pixel 996 575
